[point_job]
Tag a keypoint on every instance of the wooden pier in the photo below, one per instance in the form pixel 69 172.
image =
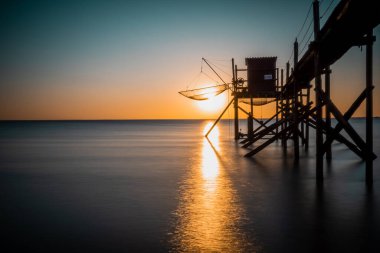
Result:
pixel 350 24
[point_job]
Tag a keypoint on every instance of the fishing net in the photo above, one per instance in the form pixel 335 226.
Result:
pixel 204 93
pixel 258 101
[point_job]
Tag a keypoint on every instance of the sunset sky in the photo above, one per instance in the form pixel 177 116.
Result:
pixel 128 59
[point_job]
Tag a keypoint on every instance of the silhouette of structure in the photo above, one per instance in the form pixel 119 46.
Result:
pixel 350 24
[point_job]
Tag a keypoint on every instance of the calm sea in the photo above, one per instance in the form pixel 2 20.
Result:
pixel 160 186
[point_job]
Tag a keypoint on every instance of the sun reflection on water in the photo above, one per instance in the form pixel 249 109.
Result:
pixel 210 163
pixel 209 215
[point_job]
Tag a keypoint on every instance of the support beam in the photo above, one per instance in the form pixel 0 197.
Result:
pixel 250 120
pixel 286 105
pixel 369 105
pixel 346 117
pixel 295 108
pixel 247 113
pixel 302 126
pixel 256 132
pixel 264 124
pixel 307 121
pixel 236 101
pixel 261 123
pixel 277 88
pixel 288 128
pixel 270 128
pixel 318 89
pixel 250 126
pixel 327 111
pixel 218 119
pixel 282 105
pixel 340 138
pixel 347 126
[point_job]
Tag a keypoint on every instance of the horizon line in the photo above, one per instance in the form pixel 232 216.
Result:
pixel 8 120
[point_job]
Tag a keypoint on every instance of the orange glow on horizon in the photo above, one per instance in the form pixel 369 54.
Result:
pixel 98 101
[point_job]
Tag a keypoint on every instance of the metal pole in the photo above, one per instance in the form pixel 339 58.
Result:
pixel 318 88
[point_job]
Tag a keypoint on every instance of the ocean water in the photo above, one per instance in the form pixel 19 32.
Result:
pixel 160 186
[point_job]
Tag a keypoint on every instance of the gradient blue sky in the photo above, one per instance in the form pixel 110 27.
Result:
pixel 128 59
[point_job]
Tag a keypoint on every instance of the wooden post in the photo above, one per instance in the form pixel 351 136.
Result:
pixel 282 106
pixel 295 105
pixel 250 120
pixel 236 104
pixel 302 127
pixel 286 105
pixel 318 88
pixel 287 71
pixel 307 121
pixel 277 89
pixel 250 126
pixel 369 105
pixel 327 110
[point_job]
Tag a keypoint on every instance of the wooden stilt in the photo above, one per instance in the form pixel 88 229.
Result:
pixel 295 108
pixel 286 104
pixel 250 126
pixel 318 89
pixel 327 111
pixel 277 101
pixel 307 121
pixel 302 122
pixel 236 101
pixel 282 106
pixel 369 105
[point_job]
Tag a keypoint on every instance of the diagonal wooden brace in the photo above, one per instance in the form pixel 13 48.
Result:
pixel 343 124
pixel 272 127
pixel 286 129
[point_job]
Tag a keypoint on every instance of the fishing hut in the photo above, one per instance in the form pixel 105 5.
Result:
pixel 258 90
pixel 350 24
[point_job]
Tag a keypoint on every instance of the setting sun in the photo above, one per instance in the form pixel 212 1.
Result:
pixel 213 104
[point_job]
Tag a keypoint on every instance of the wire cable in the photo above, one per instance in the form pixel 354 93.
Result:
pixel 307 31
pixel 213 64
pixel 210 77
pixel 304 22
pixel 306 44
pixel 327 9
pixel 302 27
